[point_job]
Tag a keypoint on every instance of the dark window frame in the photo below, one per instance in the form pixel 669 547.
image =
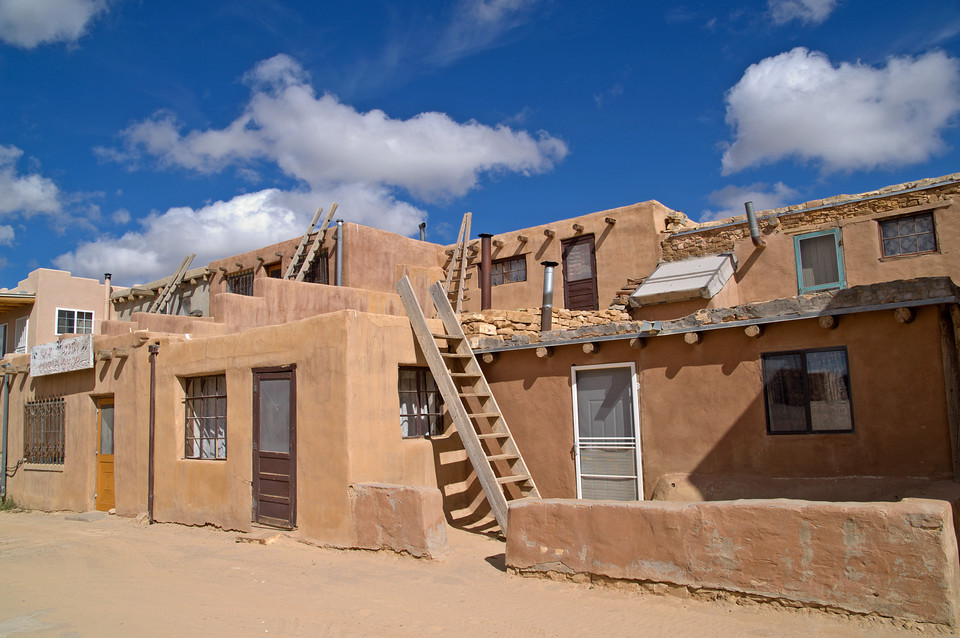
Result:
pixel 501 270
pixel 899 237
pixel 44 431
pixel 425 424
pixel 240 283
pixel 806 391
pixel 319 272
pixel 197 444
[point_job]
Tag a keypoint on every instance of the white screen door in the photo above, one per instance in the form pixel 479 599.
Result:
pixel 606 418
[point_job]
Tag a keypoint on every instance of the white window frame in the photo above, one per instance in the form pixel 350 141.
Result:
pixel 21 331
pixel 635 387
pixel 76 312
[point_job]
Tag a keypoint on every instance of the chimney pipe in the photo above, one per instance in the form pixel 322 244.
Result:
pixel 754 228
pixel 546 310
pixel 338 277
pixel 423 231
pixel 485 270
pixel 108 290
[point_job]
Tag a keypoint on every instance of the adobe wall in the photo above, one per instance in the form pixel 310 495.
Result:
pixel 893 559
pixel 191 296
pixel 72 485
pixel 629 247
pixel 771 272
pixel 702 410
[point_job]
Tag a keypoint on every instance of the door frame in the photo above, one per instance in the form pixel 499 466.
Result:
pixel 101 402
pixel 573 241
pixel 289 371
pixel 635 407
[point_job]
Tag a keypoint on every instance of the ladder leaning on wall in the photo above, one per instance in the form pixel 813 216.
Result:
pixel 457 270
pixel 494 454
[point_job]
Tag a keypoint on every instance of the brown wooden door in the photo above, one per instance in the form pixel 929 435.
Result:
pixel 579 273
pixel 275 446
pixel 105 498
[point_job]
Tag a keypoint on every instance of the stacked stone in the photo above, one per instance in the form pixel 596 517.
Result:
pixel 523 326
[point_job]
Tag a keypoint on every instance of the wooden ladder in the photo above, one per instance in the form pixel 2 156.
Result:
pixel 494 454
pixel 457 271
pixel 299 273
pixel 161 301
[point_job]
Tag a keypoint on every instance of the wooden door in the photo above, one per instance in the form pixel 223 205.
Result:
pixel 579 273
pixel 275 446
pixel 105 498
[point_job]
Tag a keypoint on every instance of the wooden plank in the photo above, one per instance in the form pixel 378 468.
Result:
pixel 302 244
pixel 463 264
pixel 168 290
pixel 458 248
pixel 317 244
pixel 451 397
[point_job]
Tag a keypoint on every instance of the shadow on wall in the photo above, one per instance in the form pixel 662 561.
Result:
pixel 464 503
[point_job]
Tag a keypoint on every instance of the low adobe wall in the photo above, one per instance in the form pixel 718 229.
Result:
pixel 399 518
pixel 893 559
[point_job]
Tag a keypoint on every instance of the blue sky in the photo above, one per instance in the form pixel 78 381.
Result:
pixel 134 132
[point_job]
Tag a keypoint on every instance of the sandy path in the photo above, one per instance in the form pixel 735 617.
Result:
pixel 111 578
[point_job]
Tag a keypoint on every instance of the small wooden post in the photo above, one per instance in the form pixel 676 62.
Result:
pixel 692 338
pixel 753 331
pixel 544 352
pixel 904 315
pixel 828 322
pixel 489 357
pixel 591 348
pixel 638 343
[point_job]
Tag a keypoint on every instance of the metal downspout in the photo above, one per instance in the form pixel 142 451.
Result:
pixel 485 270
pixel 546 310
pixel 3 454
pixel 423 231
pixel 153 349
pixel 755 237
pixel 339 268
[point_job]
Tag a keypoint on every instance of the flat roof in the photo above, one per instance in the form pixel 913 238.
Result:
pixel 13 300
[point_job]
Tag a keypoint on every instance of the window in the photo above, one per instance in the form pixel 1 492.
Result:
pixel 20 335
pixel 807 392
pixel 505 271
pixel 3 339
pixel 205 404
pixel 819 261
pixel 74 322
pixel 273 271
pixel 43 431
pixel 319 272
pixel 421 406
pixel 240 283
pixel 908 235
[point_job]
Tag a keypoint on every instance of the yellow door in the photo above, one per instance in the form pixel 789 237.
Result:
pixel 105 499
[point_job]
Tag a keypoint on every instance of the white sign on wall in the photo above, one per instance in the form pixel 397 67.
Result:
pixel 67 355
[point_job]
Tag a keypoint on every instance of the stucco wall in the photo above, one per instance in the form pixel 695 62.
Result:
pixel 702 410
pixel 893 559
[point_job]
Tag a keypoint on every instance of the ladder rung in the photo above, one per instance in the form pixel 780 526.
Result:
pixel 442 336
pixel 485 415
pixel 517 478
pixel 475 375
pixel 474 394
pixel 494 435
pixel 455 355
pixel 503 457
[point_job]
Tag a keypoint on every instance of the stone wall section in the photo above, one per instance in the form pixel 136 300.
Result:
pixel 490 328
pixel 717 237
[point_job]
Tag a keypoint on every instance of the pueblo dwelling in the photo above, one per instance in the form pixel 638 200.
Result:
pixel 766 406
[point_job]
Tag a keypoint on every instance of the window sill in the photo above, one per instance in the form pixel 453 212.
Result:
pixel 40 467
pixel 908 256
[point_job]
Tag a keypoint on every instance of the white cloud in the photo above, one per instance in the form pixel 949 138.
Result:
pixel 6 235
pixel 323 142
pixel 27 194
pixel 731 198
pixel 29 23
pixel 847 117
pixel 477 25
pixel 808 11
pixel 225 228
pixel 120 216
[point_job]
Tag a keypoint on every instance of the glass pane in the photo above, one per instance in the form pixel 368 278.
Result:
pixel 604 403
pixel 106 429
pixel 407 425
pixel 926 242
pixel 615 461
pixel 577 262
pixel 908 245
pixel 891 247
pixel 889 229
pixel 907 226
pixel 829 394
pixel 818 261
pixel 783 385
pixel 925 223
pixel 275 415
pixel 611 489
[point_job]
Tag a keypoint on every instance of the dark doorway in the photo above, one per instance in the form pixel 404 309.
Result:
pixel 275 446
pixel 579 273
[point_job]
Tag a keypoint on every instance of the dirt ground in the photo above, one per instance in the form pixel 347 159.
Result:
pixel 110 577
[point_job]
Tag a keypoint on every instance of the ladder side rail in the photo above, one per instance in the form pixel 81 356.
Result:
pixel 462 274
pixel 302 244
pixel 451 398
pixel 177 280
pixel 160 298
pixel 317 245
pixel 454 258
pixel 452 326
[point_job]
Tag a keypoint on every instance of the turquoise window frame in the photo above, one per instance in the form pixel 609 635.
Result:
pixel 842 283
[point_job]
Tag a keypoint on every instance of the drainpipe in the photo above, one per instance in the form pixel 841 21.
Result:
pixel 339 271
pixel 754 228
pixel 546 310
pixel 6 417
pixel 153 349
pixel 485 270
pixel 108 290
pixel 423 231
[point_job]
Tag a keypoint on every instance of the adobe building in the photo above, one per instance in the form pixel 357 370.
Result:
pixel 684 365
